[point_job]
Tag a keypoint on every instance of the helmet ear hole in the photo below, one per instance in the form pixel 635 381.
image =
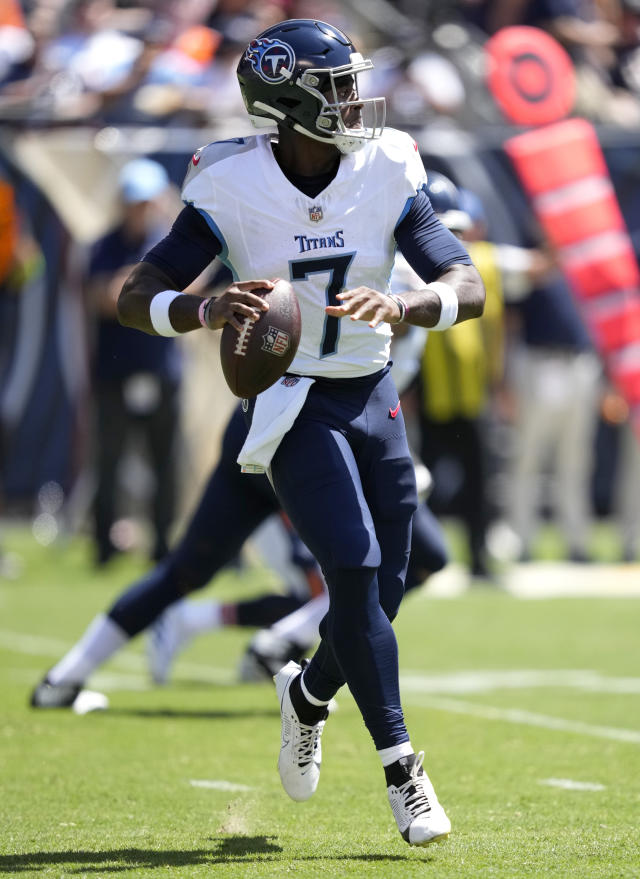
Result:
pixel 289 103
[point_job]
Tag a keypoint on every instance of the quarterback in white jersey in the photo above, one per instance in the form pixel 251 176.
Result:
pixel 325 204
pixel 339 239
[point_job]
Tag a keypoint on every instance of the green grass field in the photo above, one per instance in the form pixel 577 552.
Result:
pixel 529 712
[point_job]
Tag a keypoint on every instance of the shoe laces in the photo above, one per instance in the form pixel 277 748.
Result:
pixel 307 743
pixel 413 790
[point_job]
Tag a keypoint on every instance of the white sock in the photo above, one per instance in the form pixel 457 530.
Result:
pixel 307 695
pixel 102 639
pixel 200 616
pixel 390 755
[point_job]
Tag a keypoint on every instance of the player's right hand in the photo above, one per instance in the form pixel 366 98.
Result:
pixel 236 303
pixel 363 303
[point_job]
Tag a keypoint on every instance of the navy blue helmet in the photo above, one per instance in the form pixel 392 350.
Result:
pixel 446 201
pixel 302 73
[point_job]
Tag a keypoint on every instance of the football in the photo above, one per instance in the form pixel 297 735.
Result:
pixel 254 358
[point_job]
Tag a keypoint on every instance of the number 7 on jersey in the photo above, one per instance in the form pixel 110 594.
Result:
pixel 336 267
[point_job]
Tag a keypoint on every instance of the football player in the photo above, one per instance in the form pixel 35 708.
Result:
pixel 291 636
pixel 325 202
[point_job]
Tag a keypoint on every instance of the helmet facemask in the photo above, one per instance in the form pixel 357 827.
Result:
pixel 344 119
pixel 338 108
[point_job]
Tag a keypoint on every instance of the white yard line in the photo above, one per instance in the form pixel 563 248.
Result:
pixel 527 718
pixel 475 681
pixel 418 688
pixel 218 784
pixel 482 681
pixel 570 784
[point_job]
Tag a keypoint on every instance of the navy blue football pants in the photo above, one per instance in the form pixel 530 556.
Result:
pixel 231 508
pixel 344 476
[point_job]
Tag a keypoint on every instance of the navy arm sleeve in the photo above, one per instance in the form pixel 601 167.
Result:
pixel 187 250
pixel 428 246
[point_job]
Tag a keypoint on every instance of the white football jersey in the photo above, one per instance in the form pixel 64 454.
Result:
pixel 341 239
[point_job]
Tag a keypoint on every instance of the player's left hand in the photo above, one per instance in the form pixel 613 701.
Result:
pixel 363 303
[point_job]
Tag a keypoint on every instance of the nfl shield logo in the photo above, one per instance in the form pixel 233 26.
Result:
pixel 275 341
pixel 315 213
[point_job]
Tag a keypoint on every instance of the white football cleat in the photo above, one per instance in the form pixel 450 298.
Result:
pixel 419 816
pixel 73 696
pixel 166 637
pixel 300 749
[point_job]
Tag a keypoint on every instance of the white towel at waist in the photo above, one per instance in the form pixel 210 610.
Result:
pixel 275 411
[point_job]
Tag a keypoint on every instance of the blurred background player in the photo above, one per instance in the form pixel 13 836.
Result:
pixel 282 552
pixel 232 506
pixel 136 377
pixel 457 370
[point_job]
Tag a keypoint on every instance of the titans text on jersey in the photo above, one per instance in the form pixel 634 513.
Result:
pixel 305 242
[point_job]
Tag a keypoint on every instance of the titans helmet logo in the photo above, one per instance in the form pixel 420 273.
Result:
pixel 272 60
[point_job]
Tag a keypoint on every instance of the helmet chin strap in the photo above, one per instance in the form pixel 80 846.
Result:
pixel 343 142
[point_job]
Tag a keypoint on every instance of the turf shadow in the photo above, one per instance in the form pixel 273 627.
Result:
pixel 192 714
pixel 225 849
pixel 117 860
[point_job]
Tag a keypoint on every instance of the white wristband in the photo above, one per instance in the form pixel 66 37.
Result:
pixel 159 313
pixel 448 304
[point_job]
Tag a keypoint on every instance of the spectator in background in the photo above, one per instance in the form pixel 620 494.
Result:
pixel 136 375
pixel 549 390
pixel 554 374
pixel 178 84
pixel 80 60
pixel 88 59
